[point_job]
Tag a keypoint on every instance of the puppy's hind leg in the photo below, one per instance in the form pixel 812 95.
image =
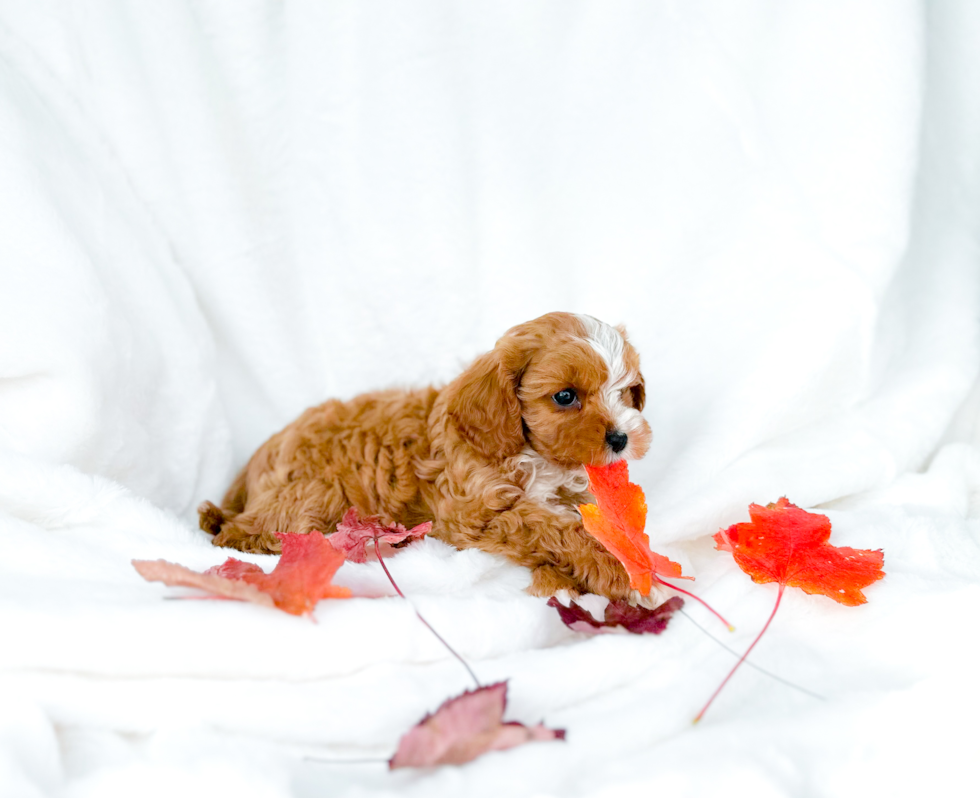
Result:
pixel 236 529
pixel 236 497
pixel 231 526
pixel 210 517
pixel 240 532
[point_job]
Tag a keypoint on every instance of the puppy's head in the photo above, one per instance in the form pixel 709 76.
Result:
pixel 568 386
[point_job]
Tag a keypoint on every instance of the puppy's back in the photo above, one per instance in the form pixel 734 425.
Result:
pixel 360 453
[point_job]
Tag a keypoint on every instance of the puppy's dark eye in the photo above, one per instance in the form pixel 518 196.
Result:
pixel 565 398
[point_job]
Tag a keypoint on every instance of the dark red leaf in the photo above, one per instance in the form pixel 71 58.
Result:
pixel 635 619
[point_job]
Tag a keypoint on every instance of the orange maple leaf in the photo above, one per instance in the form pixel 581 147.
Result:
pixel 300 579
pixel 787 545
pixel 618 520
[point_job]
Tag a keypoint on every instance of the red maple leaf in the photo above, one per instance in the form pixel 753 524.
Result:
pixel 619 615
pixel 300 579
pixel 464 728
pixel 618 520
pixel 355 533
pixel 785 544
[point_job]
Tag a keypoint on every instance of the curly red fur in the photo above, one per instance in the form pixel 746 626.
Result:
pixel 491 458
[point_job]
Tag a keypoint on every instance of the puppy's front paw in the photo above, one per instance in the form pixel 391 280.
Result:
pixel 547 581
pixel 565 598
pixel 651 600
pixel 232 537
pixel 610 580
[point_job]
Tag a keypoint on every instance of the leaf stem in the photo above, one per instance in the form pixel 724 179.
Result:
pixel 704 603
pixel 375 760
pixel 751 664
pixel 428 626
pixel 779 597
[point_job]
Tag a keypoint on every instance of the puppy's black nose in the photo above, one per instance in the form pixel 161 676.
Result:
pixel 617 440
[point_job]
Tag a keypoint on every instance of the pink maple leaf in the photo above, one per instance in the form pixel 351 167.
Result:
pixel 354 534
pixel 464 728
pixel 300 579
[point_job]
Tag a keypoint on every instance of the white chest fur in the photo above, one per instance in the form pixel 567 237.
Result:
pixel 546 481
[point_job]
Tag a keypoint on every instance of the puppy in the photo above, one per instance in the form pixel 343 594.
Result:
pixel 494 459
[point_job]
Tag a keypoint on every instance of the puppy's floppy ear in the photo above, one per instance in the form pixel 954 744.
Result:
pixel 483 402
pixel 639 393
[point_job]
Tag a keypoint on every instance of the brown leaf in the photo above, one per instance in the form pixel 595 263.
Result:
pixel 464 728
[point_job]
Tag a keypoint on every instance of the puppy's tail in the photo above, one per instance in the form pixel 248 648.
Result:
pixel 210 517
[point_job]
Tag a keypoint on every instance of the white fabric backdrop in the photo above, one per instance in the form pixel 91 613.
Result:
pixel 215 214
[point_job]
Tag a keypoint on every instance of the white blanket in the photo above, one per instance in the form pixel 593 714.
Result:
pixel 216 214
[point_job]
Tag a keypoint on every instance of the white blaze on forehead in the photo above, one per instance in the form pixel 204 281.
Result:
pixel 607 341
pixel 610 345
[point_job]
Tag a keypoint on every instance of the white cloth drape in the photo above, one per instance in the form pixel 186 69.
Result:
pixel 213 215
